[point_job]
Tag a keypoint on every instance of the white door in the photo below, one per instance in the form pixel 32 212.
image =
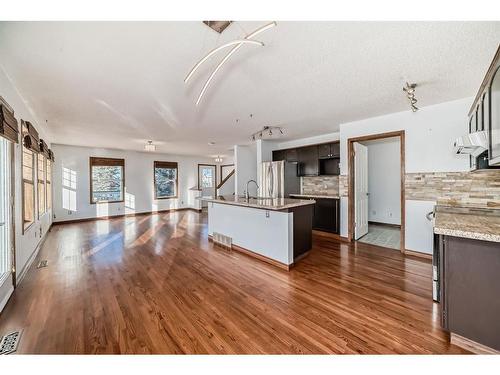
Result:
pixel 360 190
pixel 6 284
pixel 207 180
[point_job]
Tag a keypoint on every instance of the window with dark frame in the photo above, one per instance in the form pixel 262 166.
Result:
pixel 165 179
pixel 107 180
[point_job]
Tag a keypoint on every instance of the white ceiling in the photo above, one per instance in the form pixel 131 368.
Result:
pixel 118 84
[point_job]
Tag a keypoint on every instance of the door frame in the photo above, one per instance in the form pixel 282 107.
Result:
pixel 350 177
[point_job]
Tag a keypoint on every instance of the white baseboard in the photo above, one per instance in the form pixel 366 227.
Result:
pixel 20 275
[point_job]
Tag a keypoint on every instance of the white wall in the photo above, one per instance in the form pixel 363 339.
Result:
pixel 324 138
pixel 26 244
pixel 245 163
pixel 384 181
pixel 139 189
pixel 429 134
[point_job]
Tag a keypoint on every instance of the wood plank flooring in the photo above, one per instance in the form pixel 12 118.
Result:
pixel 154 284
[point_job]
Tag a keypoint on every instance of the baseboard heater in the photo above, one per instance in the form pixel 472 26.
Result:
pixel 222 240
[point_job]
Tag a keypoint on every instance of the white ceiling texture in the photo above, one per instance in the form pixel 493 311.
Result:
pixel 119 84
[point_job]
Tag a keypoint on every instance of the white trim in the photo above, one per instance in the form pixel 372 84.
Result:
pixel 10 290
pixel 20 275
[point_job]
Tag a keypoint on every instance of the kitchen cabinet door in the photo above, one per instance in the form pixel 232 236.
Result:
pixel 291 155
pixel 308 161
pixel 326 215
pixel 279 155
pixel 325 151
pixel 335 149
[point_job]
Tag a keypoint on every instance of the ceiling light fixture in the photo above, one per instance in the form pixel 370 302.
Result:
pixel 215 50
pixel 237 44
pixel 267 130
pixel 218 159
pixel 150 147
pixel 410 94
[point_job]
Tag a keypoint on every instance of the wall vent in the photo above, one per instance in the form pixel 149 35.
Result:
pixel 43 264
pixel 218 26
pixel 222 240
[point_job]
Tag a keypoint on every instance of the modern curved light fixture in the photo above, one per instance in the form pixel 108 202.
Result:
pixel 215 50
pixel 238 44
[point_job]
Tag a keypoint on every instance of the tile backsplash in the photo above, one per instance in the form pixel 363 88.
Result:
pixel 470 189
pixel 321 185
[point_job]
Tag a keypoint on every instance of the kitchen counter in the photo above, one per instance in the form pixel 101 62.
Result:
pixel 315 196
pixel 275 204
pixel 277 231
pixel 473 223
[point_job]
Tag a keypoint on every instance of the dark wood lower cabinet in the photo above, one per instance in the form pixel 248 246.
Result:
pixel 470 289
pixel 326 215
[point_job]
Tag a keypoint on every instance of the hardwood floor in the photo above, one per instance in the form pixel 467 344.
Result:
pixel 154 284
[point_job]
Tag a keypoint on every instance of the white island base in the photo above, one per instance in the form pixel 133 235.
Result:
pixel 277 235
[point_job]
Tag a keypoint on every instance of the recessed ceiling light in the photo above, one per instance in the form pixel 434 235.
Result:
pixel 211 143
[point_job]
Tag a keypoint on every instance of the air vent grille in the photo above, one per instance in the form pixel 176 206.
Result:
pixel 9 342
pixel 42 264
pixel 223 241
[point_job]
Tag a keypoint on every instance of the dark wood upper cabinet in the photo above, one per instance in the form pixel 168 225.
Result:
pixel 308 161
pixel 291 155
pixel 329 150
pixel 324 151
pixel 279 155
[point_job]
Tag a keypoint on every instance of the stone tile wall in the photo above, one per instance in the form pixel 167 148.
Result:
pixel 321 185
pixel 474 189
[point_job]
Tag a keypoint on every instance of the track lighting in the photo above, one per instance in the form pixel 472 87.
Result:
pixel 266 131
pixel 410 94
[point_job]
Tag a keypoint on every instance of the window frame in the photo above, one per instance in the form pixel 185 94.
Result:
pixel 106 162
pixel 166 164
pixel 23 190
pixel 43 181
pixel 48 184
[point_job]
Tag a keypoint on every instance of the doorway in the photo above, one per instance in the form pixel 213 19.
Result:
pixel 207 181
pixel 6 223
pixel 376 190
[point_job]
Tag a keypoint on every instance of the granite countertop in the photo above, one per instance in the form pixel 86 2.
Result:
pixel 475 223
pixel 275 204
pixel 315 196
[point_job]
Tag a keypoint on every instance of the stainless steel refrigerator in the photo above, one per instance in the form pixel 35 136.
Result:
pixel 278 179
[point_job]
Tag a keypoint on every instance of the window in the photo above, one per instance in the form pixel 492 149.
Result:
pixel 28 188
pixel 165 179
pixel 49 184
pixel 107 180
pixel 41 185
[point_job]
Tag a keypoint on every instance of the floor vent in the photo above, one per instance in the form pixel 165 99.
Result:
pixel 223 241
pixel 9 342
pixel 42 264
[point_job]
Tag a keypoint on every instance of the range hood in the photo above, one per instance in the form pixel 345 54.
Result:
pixel 472 144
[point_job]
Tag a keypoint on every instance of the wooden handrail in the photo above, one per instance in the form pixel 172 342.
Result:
pixel 224 180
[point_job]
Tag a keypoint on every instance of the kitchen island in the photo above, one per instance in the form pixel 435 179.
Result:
pixel 275 230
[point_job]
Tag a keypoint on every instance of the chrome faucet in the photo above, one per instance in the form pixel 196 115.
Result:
pixel 247 196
